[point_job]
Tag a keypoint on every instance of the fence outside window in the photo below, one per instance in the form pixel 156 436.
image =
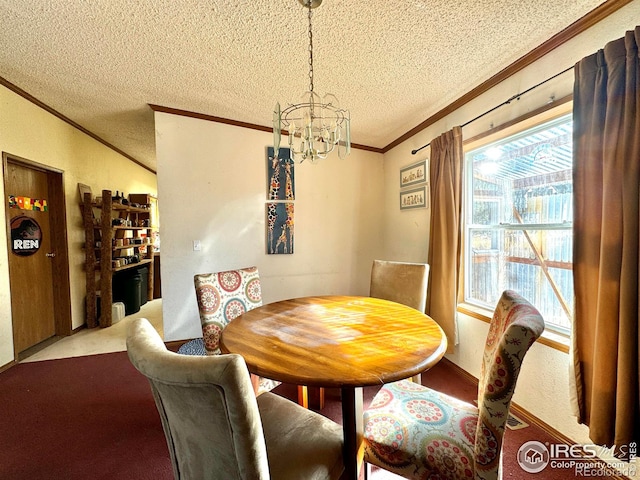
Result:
pixel 519 214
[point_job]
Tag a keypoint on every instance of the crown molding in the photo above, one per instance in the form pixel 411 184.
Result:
pixel 236 123
pixel 590 19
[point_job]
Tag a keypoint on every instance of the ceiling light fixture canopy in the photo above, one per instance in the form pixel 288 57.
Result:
pixel 316 125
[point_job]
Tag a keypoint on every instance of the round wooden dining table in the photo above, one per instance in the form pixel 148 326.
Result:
pixel 337 341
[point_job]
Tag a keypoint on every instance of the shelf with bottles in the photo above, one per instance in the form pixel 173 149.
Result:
pixel 132 265
pixel 129 245
pixel 127 214
pixel 118 236
pixel 126 247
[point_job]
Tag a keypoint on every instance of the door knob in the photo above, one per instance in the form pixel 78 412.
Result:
pixel 50 255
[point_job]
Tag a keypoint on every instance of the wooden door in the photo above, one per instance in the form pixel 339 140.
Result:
pixel 30 255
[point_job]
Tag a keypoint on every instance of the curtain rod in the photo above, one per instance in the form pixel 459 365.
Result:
pixel 506 102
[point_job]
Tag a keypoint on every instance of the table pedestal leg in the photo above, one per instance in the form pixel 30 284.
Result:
pixel 353 430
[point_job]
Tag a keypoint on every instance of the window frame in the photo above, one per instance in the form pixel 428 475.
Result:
pixel 545 114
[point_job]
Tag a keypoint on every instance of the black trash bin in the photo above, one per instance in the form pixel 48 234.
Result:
pixel 126 289
pixel 132 293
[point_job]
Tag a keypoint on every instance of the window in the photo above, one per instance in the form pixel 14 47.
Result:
pixel 519 213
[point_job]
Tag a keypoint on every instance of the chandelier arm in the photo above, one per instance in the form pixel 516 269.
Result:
pixel 316 125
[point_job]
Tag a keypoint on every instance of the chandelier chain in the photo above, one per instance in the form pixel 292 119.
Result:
pixel 310 50
pixel 315 126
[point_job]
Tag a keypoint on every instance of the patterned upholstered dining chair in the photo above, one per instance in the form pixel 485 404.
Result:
pixel 419 433
pixel 223 296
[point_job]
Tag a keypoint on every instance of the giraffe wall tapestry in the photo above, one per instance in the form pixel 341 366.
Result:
pixel 280 227
pixel 279 209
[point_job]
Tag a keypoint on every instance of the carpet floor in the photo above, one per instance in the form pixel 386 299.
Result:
pixel 94 417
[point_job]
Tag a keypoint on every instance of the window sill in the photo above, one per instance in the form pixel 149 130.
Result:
pixel 548 338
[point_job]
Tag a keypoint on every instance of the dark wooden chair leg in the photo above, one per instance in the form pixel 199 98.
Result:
pixel 305 399
pixel 303 396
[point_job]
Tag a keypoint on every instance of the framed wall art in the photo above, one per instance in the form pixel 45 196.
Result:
pixel 279 227
pixel 413 174
pixel 414 198
pixel 280 205
pixel 280 175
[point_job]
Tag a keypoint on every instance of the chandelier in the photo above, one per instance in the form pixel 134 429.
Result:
pixel 316 125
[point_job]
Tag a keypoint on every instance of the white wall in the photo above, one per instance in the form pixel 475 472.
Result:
pixel 543 385
pixel 30 132
pixel 212 186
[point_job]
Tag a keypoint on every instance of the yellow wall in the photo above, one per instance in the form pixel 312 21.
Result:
pixel 30 132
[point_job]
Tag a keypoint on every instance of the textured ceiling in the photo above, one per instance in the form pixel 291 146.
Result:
pixel 392 63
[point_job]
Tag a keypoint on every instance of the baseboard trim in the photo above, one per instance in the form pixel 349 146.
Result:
pixel 79 329
pixel 527 416
pixel 517 409
pixel 7 366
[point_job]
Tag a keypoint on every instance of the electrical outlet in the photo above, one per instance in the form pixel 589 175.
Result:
pixel 197 246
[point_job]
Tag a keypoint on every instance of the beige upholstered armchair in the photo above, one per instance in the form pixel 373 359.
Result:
pixel 420 433
pixel 217 429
